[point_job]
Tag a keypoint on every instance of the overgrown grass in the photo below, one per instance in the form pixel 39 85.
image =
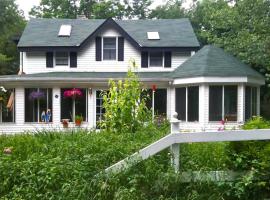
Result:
pixel 51 165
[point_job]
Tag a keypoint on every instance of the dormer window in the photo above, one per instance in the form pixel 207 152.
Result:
pixel 109 48
pixel 156 59
pixel 61 58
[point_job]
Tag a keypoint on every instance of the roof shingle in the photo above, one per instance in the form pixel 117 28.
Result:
pixel 213 61
pixel 44 32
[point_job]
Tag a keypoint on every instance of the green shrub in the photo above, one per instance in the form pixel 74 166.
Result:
pixel 256 123
pixel 253 157
pixel 125 105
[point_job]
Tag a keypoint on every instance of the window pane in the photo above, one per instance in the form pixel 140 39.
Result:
pixel 109 48
pixel 99 108
pixel 67 105
pixel 156 59
pixel 160 101
pixel 230 103
pixel 215 103
pixel 193 103
pixel 38 105
pixel 180 103
pixel 248 103
pixel 61 58
pixel 109 54
pixel 254 101
pixel 7 106
pixel 81 105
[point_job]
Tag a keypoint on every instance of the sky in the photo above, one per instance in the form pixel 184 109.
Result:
pixel 26 5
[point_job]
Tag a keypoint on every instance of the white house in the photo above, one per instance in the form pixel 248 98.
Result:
pixel 204 86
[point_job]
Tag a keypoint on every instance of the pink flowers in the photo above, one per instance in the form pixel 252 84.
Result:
pixel 73 93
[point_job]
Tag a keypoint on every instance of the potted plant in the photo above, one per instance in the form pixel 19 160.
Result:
pixel 65 123
pixel 78 120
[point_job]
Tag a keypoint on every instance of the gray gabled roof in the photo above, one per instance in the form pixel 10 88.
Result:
pixel 44 32
pixel 213 61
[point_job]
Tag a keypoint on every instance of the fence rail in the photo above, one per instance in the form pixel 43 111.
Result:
pixel 175 138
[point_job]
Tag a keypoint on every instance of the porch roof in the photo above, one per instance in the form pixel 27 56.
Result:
pixel 84 76
pixel 213 61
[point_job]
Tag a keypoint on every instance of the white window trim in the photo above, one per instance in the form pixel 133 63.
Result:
pixel 163 60
pixel 54 59
pixel 116 48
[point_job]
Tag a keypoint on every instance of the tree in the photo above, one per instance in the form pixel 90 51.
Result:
pixel 56 9
pixel 171 10
pixel 138 9
pixel 12 24
pixel 91 9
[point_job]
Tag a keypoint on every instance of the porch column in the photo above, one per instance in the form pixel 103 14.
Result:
pixel 19 105
pixel 203 105
pixel 241 103
pixel 258 100
pixel 171 101
pixel 91 107
pixel 56 95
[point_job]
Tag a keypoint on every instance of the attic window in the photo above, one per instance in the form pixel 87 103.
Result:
pixel 64 31
pixel 153 35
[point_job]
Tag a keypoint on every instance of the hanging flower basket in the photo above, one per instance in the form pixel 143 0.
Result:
pixel 35 95
pixel 73 93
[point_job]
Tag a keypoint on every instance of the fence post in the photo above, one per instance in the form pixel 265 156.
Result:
pixel 175 148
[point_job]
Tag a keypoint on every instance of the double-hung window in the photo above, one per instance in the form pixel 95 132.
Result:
pixel 187 103
pixel 223 103
pixel 156 59
pixel 61 58
pixel 109 48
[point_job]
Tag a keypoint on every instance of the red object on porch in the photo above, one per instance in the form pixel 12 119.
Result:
pixel 154 88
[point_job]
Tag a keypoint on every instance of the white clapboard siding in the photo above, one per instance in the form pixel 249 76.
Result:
pixel 56 99
pixel 35 62
pixel 178 59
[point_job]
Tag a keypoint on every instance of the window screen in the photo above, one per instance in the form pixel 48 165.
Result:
pixel 230 103
pixel 215 103
pixel 193 104
pixel 180 103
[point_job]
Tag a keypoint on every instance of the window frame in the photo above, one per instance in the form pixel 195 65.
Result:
pixel 223 103
pixel 48 92
pixel 149 59
pixel 54 59
pixel 187 103
pixel 86 104
pixel 116 48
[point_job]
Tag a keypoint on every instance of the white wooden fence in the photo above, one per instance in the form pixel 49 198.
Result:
pixel 175 138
